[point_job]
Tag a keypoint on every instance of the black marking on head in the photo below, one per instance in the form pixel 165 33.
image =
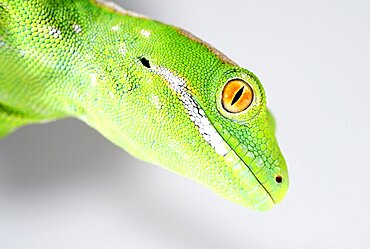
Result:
pixel 145 62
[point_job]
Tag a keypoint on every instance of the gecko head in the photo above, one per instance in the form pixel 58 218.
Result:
pixel 192 111
pixel 240 158
pixel 215 129
pixel 226 138
pixel 247 128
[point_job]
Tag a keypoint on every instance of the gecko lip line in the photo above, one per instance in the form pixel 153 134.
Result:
pixel 200 119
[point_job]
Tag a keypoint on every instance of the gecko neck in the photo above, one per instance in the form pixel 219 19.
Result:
pixel 72 67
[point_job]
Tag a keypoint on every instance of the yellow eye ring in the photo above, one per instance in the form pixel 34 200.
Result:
pixel 237 96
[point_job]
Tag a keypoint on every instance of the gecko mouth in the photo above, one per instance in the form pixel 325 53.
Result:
pixel 209 132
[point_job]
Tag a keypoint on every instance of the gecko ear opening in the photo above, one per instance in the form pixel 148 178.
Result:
pixel 145 62
pixel 237 96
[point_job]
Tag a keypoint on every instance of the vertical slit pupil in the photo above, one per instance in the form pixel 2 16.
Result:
pixel 237 95
pixel 145 62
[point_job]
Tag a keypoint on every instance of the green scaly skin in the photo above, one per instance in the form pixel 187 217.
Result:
pixel 85 59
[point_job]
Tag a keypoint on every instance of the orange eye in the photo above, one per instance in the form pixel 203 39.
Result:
pixel 237 96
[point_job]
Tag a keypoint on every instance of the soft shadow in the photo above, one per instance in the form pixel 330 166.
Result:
pixel 42 156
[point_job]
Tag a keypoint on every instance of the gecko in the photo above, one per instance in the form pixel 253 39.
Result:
pixel 155 90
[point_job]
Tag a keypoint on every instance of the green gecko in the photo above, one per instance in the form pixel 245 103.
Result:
pixel 153 89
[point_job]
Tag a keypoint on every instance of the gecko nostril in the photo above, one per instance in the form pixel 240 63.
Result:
pixel 145 62
pixel 278 179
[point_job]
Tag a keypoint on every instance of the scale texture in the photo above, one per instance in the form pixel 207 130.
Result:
pixel 153 89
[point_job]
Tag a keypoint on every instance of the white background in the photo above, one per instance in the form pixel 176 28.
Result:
pixel 62 185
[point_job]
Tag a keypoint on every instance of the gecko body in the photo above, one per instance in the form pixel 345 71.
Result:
pixel 153 89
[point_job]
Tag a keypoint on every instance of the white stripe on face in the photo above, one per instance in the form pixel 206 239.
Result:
pixel 197 115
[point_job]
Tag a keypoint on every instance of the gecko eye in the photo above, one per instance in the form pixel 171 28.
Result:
pixel 237 96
